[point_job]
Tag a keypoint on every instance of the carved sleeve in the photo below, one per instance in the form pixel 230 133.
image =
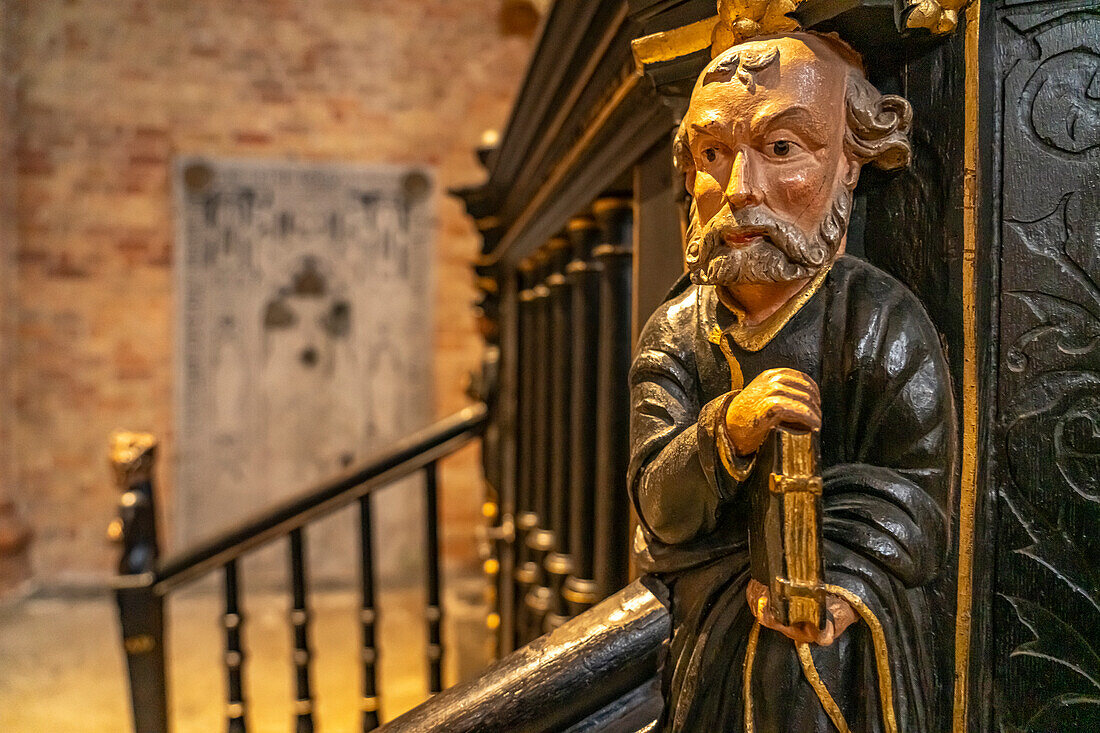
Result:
pixel 677 480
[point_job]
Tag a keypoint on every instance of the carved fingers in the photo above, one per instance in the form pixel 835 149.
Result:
pixel 840 615
pixel 775 397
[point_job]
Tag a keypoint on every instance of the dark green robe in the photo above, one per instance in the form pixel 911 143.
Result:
pixel 888 455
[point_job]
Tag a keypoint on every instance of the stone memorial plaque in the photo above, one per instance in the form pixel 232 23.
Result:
pixel 304 344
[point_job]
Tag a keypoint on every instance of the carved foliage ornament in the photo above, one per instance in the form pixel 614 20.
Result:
pixel 740 20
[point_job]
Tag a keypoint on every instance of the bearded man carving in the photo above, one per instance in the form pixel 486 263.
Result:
pixel 771 148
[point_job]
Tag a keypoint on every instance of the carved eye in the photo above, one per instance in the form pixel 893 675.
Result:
pixel 781 148
pixel 710 154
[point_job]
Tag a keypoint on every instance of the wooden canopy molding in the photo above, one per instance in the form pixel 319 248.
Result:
pixel 883 30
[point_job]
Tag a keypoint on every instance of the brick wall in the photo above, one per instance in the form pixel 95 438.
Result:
pixel 108 92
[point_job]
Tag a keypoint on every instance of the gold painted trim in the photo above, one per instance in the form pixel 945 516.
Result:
pixel 968 490
pixel 746 677
pixel 579 591
pixel 882 666
pixel 823 694
pixel 882 658
pixel 756 337
pixel 673 43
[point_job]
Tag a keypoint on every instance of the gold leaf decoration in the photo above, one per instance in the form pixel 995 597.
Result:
pixel 938 16
pixel 740 20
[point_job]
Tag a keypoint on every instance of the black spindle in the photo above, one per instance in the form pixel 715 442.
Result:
pixel 558 563
pixel 299 619
pixel 584 273
pixel 435 607
pixel 540 540
pixel 613 408
pixel 234 652
pixel 523 568
pixel 367 616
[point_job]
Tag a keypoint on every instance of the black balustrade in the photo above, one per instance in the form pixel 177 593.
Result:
pixel 144 580
pixel 570 360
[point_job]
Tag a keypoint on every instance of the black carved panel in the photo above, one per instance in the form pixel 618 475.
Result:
pixel 1046 438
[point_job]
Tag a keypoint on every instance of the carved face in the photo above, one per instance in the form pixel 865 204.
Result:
pixel 768 167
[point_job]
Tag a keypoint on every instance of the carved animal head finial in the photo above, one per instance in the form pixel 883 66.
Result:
pixel 132 457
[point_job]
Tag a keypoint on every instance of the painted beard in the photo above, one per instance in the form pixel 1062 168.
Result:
pixel 776 251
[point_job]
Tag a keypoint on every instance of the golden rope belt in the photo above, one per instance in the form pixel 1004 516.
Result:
pixel 882 664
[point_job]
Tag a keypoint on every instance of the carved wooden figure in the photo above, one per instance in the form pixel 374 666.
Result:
pixel 781 340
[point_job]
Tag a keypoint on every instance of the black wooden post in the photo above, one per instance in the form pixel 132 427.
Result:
pixel 435 605
pixel 140 608
pixel 367 617
pixel 234 652
pixel 557 562
pixel 299 619
pixel 658 253
pixel 579 591
pixel 615 215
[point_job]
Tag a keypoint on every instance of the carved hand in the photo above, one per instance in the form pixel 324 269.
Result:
pixel 776 397
pixel 839 616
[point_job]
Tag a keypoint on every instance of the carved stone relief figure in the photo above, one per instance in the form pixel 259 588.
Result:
pixel 780 330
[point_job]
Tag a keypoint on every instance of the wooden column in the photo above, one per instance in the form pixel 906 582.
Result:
pixel 658 231
pixel 140 607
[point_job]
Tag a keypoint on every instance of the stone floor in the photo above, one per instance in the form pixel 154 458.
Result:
pixel 62 669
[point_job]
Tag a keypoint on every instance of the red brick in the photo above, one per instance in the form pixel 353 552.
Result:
pixel 109 92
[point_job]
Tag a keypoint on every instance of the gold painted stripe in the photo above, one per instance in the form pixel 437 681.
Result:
pixel 969 477
pixel 673 43
pixel 746 677
pixel 827 701
pixel 882 658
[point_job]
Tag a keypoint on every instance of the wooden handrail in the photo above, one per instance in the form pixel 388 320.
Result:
pixel 566 677
pixel 402 459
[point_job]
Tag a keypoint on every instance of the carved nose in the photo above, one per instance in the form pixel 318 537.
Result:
pixel 741 191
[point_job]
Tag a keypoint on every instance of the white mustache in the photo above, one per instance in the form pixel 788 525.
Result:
pixel 772 250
